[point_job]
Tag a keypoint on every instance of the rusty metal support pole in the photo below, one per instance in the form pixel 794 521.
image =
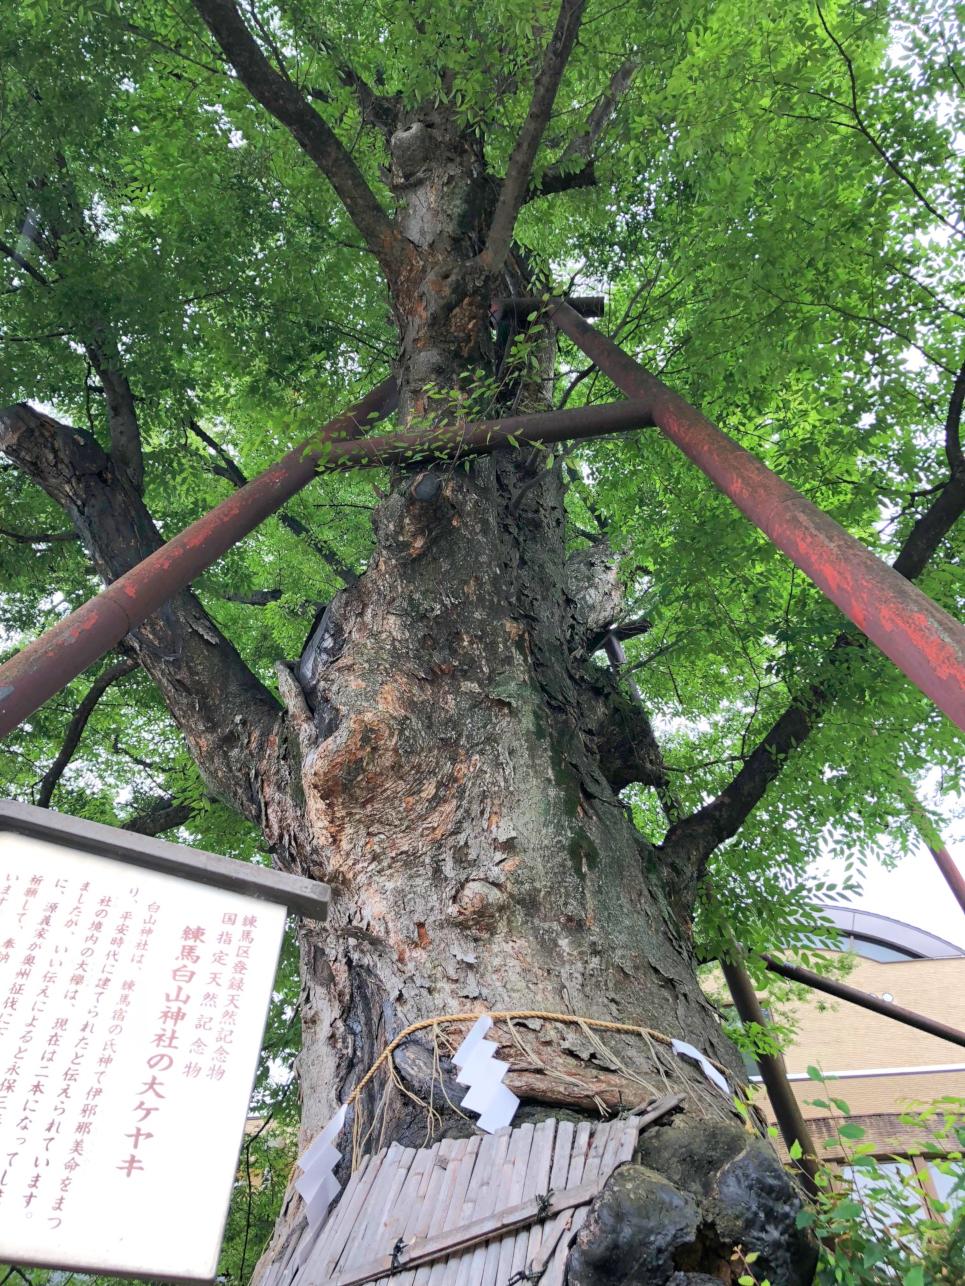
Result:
pixel 922 639
pixel 831 987
pixel 935 845
pixel 787 1110
pixel 48 664
pixel 522 307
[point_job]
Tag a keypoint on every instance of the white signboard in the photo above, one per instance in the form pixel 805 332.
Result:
pixel 132 1008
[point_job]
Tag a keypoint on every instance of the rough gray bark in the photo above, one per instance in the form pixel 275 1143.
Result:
pixel 460 754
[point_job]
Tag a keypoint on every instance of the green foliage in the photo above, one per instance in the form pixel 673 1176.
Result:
pixel 871 1214
pixel 790 266
pixel 755 247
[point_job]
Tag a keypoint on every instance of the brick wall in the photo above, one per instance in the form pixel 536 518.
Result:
pixel 838 1037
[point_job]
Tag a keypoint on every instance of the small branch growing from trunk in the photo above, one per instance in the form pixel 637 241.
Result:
pixel 121 415
pixel 164 816
pixel 76 728
pixel 515 184
pixel 38 537
pixel 289 106
pixel 574 166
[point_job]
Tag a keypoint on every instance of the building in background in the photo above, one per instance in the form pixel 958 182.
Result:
pixel 879 1067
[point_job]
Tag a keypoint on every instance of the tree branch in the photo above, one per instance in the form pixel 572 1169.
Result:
pixel 164 816
pixel 376 109
pixel 255 598
pixel 227 716
pixel 23 263
pixel 551 184
pixel 288 105
pixel 867 134
pixel 229 469
pixel 953 424
pixel 574 166
pixel 122 419
pixel 689 843
pixel 99 345
pixel 514 186
pixel 76 727
pixel 38 537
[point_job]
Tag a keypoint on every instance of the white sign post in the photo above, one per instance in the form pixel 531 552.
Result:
pixel 132 1009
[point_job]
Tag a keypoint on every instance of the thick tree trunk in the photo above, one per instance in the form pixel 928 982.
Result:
pixel 460 754
pixel 450 759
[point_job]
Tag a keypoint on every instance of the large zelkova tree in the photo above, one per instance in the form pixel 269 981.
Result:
pixel 220 223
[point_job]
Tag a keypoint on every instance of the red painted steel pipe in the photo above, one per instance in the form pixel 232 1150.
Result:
pixel 48 664
pixel 922 639
pixel 787 1110
pixel 453 441
pixel 952 875
pixel 935 845
pixel 831 986
pixel 521 307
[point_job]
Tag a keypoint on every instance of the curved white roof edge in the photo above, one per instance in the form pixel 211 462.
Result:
pixel 893 933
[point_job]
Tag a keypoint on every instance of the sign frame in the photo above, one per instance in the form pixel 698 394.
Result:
pixel 302 896
pixel 308 898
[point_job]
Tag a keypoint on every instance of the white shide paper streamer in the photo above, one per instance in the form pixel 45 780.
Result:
pixel 681 1048
pixel 317 1185
pixel 484 1074
pixel 486 1095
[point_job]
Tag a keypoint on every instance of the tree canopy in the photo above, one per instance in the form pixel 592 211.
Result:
pixel 771 203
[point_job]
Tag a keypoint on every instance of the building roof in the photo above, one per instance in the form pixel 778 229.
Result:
pixel 905 939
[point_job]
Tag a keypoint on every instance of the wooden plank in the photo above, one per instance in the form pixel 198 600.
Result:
pixel 658 1108
pixel 362 1240
pixel 407 1202
pixel 431 1210
pixel 537 1182
pixel 605 1142
pixel 459 1186
pixel 499 1252
pixel 337 1232
pixel 559 1169
pixel 307 897
pixel 628 1142
pixel 361 1178
pixel 476 1201
pixel 377 1234
pixel 479 1234
pixel 320 1265
pixel 584 1141
pixel 487 1201
pixel 328 1233
pixel 603 1158
pixel 544 1237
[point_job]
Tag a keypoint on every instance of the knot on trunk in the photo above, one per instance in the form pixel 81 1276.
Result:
pixel 593 585
pixel 415 516
pixel 411 147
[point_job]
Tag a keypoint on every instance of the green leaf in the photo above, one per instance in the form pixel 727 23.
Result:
pixel 851 1130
